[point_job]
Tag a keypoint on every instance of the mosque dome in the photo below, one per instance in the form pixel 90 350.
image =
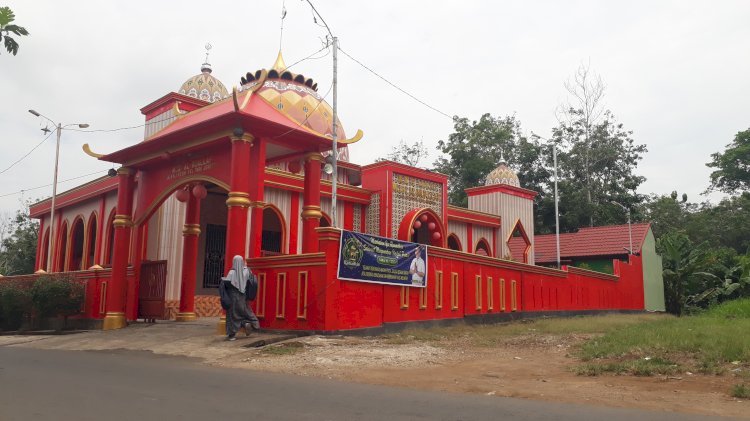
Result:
pixel 204 86
pixel 296 97
pixel 502 175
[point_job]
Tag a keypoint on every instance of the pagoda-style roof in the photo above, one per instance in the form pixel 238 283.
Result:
pixel 246 111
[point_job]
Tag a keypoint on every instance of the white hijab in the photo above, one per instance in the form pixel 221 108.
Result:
pixel 238 275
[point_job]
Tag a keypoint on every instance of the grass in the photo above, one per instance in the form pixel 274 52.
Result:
pixel 640 367
pixel 286 348
pixel 741 391
pixel 703 343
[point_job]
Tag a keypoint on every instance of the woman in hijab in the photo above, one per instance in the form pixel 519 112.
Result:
pixel 235 289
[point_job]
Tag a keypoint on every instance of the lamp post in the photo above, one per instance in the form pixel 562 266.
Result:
pixel 630 231
pixel 59 128
pixel 557 213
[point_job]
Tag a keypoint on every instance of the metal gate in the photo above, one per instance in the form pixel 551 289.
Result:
pixel 213 267
pixel 151 292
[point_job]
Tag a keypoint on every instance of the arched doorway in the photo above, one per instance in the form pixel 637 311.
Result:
pixel 75 257
pixel 519 244
pixel 422 226
pixel 62 248
pixel 273 233
pixel 109 250
pixel 454 243
pixel 91 241
pixel 325 220
pixel 45 251
pixel 483 248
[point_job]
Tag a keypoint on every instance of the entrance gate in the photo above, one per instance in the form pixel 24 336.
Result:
pixel 213 269
pixel 151 293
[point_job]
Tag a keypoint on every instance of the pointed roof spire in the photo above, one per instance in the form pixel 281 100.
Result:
pixel 279 65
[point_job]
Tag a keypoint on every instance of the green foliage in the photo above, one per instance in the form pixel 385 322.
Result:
pixel 735 309
pixel 6 28
pixel 18 245
pixel 741 390
pixel 15 305
pixel 706 343
pixel 475 148
pixel 57 296
pixel 596 165
pixel 732 172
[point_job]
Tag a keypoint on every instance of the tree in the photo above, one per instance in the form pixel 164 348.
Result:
pixel 732 172
pixel 475 148
pixel 18 247
pixel 682 262
pixel 6 28
pixel 409 154
pixel 665 213
pixel 597 158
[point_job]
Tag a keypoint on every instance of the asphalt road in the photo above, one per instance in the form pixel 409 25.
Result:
pixel 127 385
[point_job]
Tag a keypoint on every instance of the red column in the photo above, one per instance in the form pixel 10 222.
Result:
pixel 257 184
pixel 190 233
pixel 239 198
pixel 294 224
pixel 115 304
pixel 237 204
pixel 311 210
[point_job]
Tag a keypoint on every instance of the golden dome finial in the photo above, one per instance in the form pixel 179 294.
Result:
pixel 279 66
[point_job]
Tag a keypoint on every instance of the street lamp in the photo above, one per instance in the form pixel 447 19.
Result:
pixel 630 231
pixel 557 213
pixel 59 127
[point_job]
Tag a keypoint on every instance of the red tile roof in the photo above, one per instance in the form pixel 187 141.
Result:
pixel 588 242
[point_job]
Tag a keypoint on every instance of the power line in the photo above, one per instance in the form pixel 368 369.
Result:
pixel 310 57
pixel 394 85
pixel 48 185
pixel 28 153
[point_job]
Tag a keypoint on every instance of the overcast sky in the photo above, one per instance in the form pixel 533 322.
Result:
pixel 676 72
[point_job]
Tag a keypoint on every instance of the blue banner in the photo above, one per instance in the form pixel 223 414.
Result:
pixel 367 258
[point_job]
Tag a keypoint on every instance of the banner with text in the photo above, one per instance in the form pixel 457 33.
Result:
pixel 367 258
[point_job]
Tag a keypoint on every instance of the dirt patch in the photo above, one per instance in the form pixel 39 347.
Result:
pixel 526 363
pixel 529 366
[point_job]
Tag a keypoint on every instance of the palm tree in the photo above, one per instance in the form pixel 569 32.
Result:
pixel 6 17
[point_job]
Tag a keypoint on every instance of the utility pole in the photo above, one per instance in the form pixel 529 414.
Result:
pixel 59 127
pixel 557 214
pixel 630 231
pixel 334 149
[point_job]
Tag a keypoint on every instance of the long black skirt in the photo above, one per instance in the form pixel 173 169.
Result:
pixel 239 313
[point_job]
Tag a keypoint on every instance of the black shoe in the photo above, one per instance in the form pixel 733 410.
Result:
pixel 231 338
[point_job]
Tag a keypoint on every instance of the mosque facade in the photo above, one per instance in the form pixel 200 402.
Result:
pixel 245 172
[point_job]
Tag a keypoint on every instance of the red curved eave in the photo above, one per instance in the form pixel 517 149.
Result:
pixel 257 117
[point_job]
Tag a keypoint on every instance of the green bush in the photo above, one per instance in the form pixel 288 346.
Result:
pixel 735 309
pixel 15 305
pixel 56 296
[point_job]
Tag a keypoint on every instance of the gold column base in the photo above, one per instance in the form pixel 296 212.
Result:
pixel 221 327
pixel 114 320
pixel 186 317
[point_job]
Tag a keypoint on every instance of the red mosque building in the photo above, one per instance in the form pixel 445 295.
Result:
pixel 223 173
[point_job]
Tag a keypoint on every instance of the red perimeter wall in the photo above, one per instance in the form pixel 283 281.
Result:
pixel 302 292
pixel 459 285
